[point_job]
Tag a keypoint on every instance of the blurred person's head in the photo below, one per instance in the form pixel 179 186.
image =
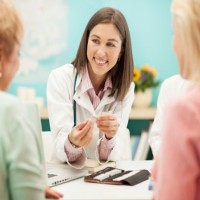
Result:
pixel 11 31
pixel 186 21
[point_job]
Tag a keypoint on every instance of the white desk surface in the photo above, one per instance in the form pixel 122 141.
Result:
pixel 80 190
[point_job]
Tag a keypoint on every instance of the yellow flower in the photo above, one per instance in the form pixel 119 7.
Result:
pixel 154 72
pixel 149 69
pixel 136 74
pixel 145 68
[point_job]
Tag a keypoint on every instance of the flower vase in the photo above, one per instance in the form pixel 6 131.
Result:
pixel 143 99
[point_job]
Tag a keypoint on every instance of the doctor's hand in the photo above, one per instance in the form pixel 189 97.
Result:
pixel 81 135
pixel 108 124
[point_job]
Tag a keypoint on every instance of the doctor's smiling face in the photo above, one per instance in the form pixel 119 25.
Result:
pixel 103 49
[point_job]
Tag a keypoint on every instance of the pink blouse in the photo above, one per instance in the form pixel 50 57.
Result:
pixel 177 167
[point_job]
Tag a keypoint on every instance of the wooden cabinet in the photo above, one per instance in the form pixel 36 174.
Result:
pixel 143 113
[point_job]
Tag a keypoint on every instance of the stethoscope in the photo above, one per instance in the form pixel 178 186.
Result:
pixel 74 102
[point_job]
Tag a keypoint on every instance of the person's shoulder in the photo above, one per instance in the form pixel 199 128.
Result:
pixel 185 114
pixel 11 108
pixel 174 85
pixel 67 68
pixel 63 72
pixel 132 86
pixel 8 100
pixel 188 103
pixel 175 79
pixel 192 99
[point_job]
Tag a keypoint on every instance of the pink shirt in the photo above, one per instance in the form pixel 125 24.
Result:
pixel 177 167
pixel 105 146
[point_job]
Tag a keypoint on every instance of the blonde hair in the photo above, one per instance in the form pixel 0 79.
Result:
pixel 11 29
pixel 187 14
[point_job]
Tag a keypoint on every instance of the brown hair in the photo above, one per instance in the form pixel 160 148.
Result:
pixel 11 29
pixel 122 73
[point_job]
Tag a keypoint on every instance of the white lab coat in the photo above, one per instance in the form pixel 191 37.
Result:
pixel 171 88
pixel 60 97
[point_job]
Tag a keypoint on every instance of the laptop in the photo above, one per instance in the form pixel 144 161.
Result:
pixel 62 173
pixel 56 173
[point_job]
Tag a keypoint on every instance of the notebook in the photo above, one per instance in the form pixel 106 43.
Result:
pixel 56 173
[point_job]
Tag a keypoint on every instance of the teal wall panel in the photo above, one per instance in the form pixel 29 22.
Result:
pixel 150 24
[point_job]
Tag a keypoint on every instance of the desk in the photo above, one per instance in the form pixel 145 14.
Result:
pixel 80 190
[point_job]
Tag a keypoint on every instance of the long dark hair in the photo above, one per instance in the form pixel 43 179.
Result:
pixel 122 73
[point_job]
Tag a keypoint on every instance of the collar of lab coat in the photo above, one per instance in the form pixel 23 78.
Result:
pixel 83 99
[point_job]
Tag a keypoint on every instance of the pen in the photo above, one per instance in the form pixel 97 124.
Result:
pixel 151 184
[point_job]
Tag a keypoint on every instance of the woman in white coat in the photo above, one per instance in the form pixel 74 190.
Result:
pixel 89 101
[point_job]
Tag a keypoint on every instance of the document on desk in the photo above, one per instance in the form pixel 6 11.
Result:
pixel 94 166
pixel 62 173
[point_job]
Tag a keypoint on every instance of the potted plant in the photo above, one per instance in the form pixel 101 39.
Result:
pixel 144 79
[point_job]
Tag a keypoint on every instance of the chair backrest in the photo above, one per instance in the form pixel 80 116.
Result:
pixel 48 145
